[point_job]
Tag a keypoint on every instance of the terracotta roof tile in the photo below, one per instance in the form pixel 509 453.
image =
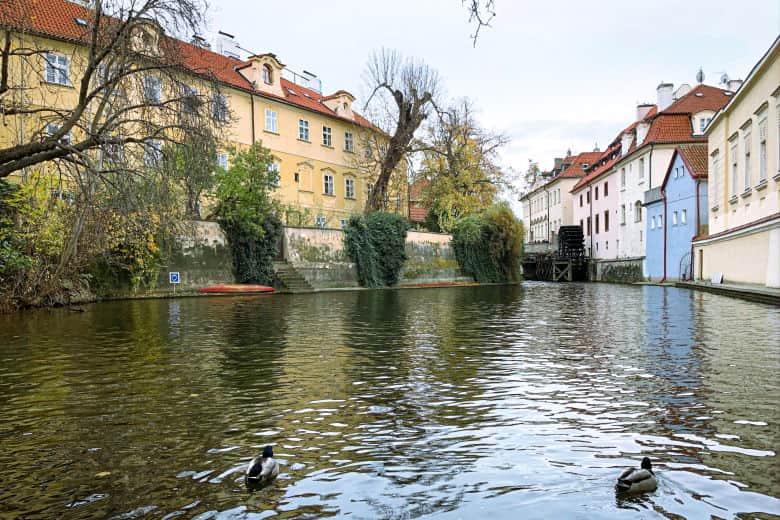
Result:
pixel 575 169
pixel 55 19
pixel 702 97
pixel 695 157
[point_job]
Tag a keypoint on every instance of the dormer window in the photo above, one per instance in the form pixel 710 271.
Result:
pixel 268 75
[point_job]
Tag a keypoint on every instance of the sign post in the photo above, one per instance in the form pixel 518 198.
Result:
pixel 174 279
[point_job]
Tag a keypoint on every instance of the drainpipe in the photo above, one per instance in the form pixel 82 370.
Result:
pixel 650 170
pixel 663 196
pixel 547 203
pixel 696 229
pixel 252 101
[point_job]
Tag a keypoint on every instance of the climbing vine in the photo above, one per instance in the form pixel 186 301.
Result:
pixel 248 214
pixel 376 243
pixel 489 245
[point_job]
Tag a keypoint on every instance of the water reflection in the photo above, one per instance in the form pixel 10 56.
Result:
pixel 462 402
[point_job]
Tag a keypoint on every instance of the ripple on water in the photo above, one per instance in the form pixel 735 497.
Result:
pixel 465 402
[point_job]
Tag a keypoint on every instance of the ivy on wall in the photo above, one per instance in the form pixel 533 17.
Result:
pixel 376 242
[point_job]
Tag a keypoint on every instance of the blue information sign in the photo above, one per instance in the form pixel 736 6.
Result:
pixel 173 277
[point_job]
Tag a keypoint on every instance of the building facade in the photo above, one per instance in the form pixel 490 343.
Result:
pixel 316 139
pixel 743 243
pixel 676 213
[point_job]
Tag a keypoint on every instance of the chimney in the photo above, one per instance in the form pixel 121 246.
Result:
pixel 734 84
pixel 200 41
pixel 664 91
pixel 642 110
pixel 641 132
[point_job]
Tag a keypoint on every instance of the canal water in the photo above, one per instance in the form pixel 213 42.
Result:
pixel 477 402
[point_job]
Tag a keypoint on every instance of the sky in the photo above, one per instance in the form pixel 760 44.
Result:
pixel 551 75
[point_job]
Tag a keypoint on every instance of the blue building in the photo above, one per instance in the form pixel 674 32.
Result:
pixel 676 213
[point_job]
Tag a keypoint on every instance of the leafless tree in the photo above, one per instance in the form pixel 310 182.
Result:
pixel 402 94
pixel 114 81
pixel 481 13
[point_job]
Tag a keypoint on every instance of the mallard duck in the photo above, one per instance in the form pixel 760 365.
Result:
pixel 634 480
pixel 263 468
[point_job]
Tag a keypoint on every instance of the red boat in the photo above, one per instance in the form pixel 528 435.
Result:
pixel 236 288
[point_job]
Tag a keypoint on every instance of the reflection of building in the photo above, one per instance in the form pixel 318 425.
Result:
pixel 676 213
pixel 743 244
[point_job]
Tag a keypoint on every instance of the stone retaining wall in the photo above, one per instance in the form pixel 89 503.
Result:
pixel 623 270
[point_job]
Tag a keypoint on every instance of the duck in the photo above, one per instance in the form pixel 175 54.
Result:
pixel 263 468
pixel 634 480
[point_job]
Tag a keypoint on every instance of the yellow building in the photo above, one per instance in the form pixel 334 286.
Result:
pixel 743 244
pixel 318 140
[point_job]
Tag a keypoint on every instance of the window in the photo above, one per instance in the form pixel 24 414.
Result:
pixel 57 68
pixel 328 184
pixel 597 195
pixel 303 130
pixel 703 122
pixel 622 213
pixel 660 222
pixel 588 226
pixel 606 221
pixel 734 174
pixel 606 189
pixel 580 199
pixel 276 176
pixel 349 142
pixel 153 153
pixel 190 100
pixel 587 196
pixel 652 222
pixel 271 120
pixel 581 224
pixel 746 145
pixel 641 169
pixel 343 222
pixel 674 218
pixel 637 211
pixel 684 217
pixel 321 221
pixel 622 177
pixel 349 188
pixel 222 160
pixel 327 136
pixel 762 131
pixel 53 128
pixel 113 152
pixel 268 75
pixel 715 178
pixel 297 177
pixel 152 89
pixel 219 109
pixel 597 223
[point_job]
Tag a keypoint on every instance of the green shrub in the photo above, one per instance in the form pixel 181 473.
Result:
pixel 249 215
pixel 489 245
pixel 376 243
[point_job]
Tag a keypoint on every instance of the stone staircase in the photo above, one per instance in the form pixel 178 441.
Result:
pixel 291 280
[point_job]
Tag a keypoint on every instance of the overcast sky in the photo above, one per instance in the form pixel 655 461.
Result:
pixel 551 74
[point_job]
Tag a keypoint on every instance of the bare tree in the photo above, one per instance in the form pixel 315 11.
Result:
pixel 402 94
pixel 481 13
pixel 116 78
pixel 459 165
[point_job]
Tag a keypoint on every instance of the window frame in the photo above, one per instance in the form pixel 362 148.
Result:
pixel 328 182
pixel 219 107
pixel 271 121
pixel 349 141
pixel 327 136
pixel 152 88
pixel 303 130
pixel 60 72
pixel 349 188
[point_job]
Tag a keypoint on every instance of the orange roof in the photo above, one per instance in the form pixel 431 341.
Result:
pixel 695 157
pixel 56 19
pixel 702 97
pixel 417 188
pixel 417 214
pixel 575 169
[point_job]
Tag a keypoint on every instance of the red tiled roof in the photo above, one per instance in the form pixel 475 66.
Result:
pixel 702 97
pixel 670 128
pixel 695 157
pixel 55 19
pixel 575 169
pixel 417 188
pixel 417 214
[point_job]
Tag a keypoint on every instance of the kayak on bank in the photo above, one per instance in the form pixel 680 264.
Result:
pixel 236 288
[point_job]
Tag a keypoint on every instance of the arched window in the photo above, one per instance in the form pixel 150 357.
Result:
pixel 637 211
pixel 268 77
